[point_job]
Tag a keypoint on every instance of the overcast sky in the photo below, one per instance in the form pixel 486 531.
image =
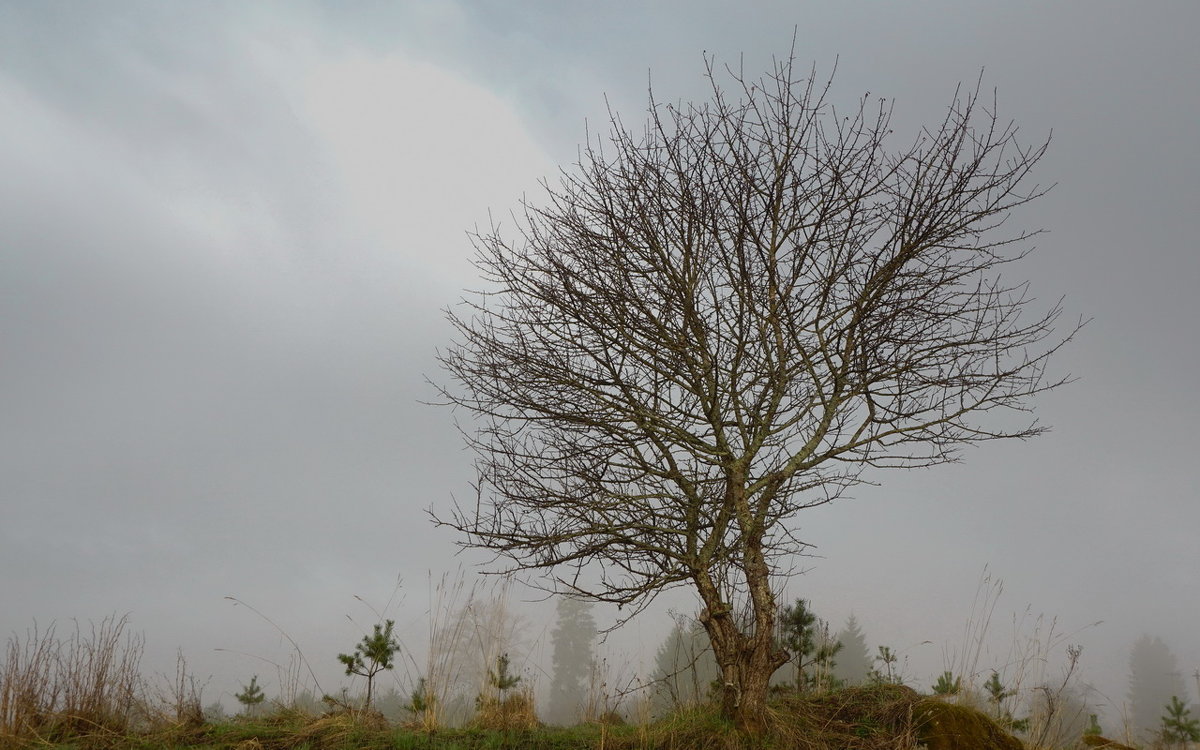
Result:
pixel 228 230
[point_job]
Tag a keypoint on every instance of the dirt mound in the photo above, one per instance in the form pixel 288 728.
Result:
pixel 944 726
pixel 883 717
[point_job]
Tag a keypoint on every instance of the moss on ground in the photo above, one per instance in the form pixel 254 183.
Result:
pixel 945 726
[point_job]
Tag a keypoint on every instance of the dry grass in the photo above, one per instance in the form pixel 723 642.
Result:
pixel 882 717
pixel 284 729
pixel 339 730
pixel 513 712
pixel 86 685
pixel 876 717
pixel 1055 706
pixel 181 701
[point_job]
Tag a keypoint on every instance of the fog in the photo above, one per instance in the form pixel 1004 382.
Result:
pixel 228 232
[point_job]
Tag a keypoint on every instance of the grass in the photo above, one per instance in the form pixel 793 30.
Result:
pixel 86 684
pixel 882 717
pixel 84 692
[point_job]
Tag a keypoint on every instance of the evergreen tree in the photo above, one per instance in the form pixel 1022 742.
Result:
pixel 421 701
pixel 853 664
pixel 574 638
pixel 947 684
pixel 468 642
pixel 807 640
pixel 492 706
pixel 500 678
pixel 1153 678
pixel 1178 728
pixel 998 696
pixel 251 697
pixel 372 656
pixel 886 673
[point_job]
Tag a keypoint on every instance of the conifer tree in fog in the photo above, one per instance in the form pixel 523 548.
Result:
pixel 574 639
pixel 854 660
pixel 1154 678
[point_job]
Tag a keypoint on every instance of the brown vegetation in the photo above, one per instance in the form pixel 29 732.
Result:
pixel 85 684
pixel 514 711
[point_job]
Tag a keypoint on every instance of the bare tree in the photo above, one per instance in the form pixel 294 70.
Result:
pixel 706 328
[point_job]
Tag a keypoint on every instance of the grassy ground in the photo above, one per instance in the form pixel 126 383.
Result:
pixel 884 717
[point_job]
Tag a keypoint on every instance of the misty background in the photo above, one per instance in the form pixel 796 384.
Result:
pixel 228 231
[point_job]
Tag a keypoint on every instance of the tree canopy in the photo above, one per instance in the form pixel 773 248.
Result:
pixel 710 324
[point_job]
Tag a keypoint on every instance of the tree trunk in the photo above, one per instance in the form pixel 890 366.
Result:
pixel 747 663
pixel 745 652
pixel 750 715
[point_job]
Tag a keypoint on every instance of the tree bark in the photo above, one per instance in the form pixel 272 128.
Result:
pixel 746 652
pixel 746 663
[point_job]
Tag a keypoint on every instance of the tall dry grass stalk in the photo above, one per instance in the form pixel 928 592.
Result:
pixel 614 693
pixel 290 677
pixel 86 684
pixel 1058 710
pixel 1053 706
pixel 442 664
pixel 469 627
pixel 181 701
pixel 964 661
pixel 493 630
pixel 29 689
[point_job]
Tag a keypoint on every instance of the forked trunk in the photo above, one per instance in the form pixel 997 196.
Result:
pixel 746 653
pixel 747 662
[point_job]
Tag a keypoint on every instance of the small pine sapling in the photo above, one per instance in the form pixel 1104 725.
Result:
pixel 1093 729
pixel 498 710
pixel 947 684
pixel 421 702
pixel 886 673
pixel 251 696
pixel 1178 728
pixel 997 694
pixel 372 656
pixel 500 678
pixel 419 699
pixel 807 639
